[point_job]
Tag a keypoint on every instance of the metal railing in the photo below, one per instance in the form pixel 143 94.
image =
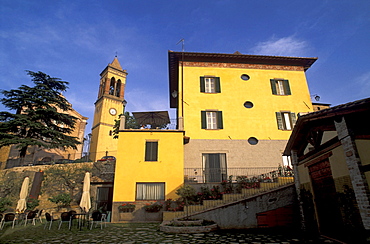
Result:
pixel 218 175
pixel 230 185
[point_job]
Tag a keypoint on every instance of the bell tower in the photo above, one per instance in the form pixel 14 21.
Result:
pixel 108 107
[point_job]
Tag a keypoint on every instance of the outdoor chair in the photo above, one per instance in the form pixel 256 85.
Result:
pixel 30 217
pixel 38 216
pixel 65 217
pixel 98 217
pixel 49 220
pixel 72 216
pixel 8 218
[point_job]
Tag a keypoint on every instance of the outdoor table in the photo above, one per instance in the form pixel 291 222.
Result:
pixel 81 219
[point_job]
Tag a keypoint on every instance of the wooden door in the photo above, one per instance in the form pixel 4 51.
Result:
pixel 330 221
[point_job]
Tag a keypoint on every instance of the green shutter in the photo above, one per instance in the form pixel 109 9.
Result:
pixel 273 86
pixel 279 120
pixel 202 85
pixel 219 120
pixel 287 88
pixel 217 84
pixel 293 118
pixel 204 119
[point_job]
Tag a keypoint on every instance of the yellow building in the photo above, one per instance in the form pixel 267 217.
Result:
pixel 331 159
pixel 149 168
pixel 234 112
pixel 108 106
pixel 237 110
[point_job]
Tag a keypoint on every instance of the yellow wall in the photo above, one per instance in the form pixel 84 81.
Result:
pixel 240 122
pixel 131 166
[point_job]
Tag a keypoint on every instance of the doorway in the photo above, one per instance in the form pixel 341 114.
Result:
pixel 325 197
pixel 214 167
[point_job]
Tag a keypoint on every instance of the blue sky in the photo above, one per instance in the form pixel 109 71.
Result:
pixel 75 41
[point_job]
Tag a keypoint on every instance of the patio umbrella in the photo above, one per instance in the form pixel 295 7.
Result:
pixel 155 118
pixel 22 205
pixel 85 203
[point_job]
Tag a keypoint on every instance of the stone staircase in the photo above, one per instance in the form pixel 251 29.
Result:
pixel 228 198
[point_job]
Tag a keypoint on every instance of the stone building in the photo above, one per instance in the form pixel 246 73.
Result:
pixel 330 153
pixel 37 155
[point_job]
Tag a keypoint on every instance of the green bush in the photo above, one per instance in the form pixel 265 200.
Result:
pixel 4 203
pixel 32 203
pixel 62 200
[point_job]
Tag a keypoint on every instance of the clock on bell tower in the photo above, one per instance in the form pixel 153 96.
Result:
pixel 108 107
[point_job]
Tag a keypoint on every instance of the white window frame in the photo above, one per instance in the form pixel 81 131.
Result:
pixel 287 120
pixel 280 87
pixel 211 120
pixel 150 191
pixel 210 85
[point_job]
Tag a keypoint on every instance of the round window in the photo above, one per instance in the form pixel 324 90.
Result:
pixel 248 104
pixel 253 140
pixel 245 77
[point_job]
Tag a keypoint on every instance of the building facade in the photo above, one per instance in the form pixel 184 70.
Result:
pixel 237 110
pixel 108 106
pixel 149 168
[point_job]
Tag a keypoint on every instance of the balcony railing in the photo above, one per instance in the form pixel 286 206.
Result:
pixel 234 175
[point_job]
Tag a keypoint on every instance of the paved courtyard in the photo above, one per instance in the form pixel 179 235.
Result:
pixel 137 234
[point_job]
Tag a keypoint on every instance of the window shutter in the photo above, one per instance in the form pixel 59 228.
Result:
pixel 217 84
pixel 287 88
pixel 279 120
pixel 293 118
pixel 202 85
pixel 219 120
pixel 204 119
pixel 273 87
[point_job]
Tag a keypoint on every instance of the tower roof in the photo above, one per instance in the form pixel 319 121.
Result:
pixel 115 64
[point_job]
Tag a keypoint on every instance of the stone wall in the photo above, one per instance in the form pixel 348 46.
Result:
pixel 44 203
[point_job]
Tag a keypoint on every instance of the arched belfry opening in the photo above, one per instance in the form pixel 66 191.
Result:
pixel 118 88
pixel 112 86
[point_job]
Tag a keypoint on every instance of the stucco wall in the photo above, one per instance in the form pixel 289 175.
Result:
pixel 239 153
pixel 131 166
pixel 240 122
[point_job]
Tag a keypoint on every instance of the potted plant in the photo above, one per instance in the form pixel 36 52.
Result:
pixel 127 207
pixel 153 208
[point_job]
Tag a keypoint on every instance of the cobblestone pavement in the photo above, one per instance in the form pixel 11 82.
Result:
pixel 141 234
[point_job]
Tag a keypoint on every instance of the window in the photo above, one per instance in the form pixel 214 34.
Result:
pixel 210 84
pixel 285 120
pixel 248 104
pixel 253 141
pixel 150 191
pixel 214 167
pixel 211 120
pixel 280 87
pixel 245 77
pixel 151 151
